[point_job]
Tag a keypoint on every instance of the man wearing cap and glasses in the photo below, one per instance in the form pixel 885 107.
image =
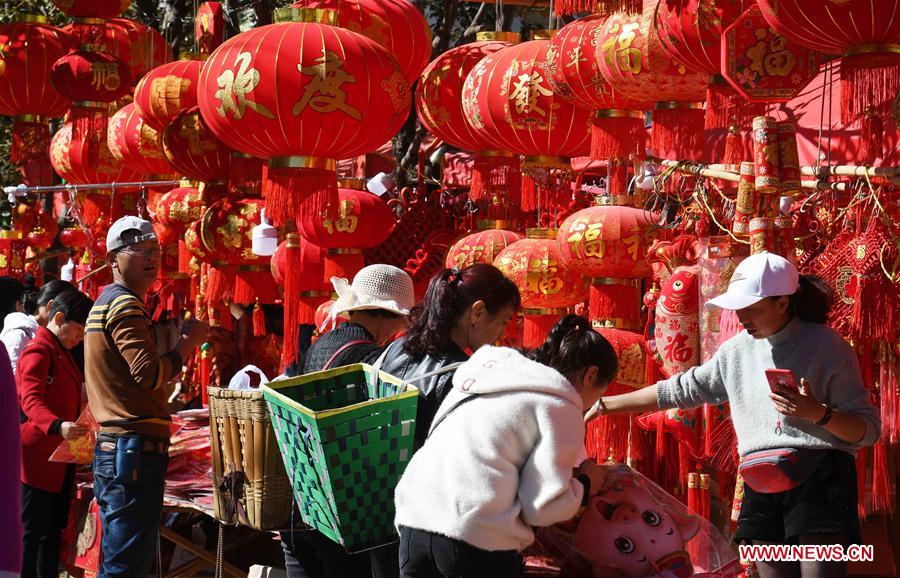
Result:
pixel 377 304
pixel 126 382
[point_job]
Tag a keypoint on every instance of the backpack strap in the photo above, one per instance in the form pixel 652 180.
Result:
pixel 341 349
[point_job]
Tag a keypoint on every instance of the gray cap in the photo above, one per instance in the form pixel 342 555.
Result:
pixel 128 230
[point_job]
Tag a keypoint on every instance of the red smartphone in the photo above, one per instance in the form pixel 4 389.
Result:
pixel 781 378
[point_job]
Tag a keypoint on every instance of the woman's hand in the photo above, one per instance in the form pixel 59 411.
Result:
pixel 71 430
pixel 800 403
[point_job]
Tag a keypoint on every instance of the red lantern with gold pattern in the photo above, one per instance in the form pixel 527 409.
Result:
pixel 69 159
pixel 74 237
pixel 609 244
pixel 93 8
pixel 209 26
pixel 28 48
pixel 546 283
pixel 398 25
pixel 480 247
pixel 180 207
pixel 167 90
pixel 865 33
pixel 319 93
pixel 617 127
pixel 194 150
pixel 12 254
pixel 91 80
pixel 632 58
pixel 135 143
pixel 363 221
pixel 41 236
pixel 508 101
pixel 439 106
pixel 141 47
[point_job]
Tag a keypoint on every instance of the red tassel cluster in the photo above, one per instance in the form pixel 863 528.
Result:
pixel 725 107
pixel 678 132
pixel 599 6
pixel 537 327
pixel 254 284
pixel 616 136
pixel 868 80
pixel 616 301
pixel 259 320
pixel 871 137
pixel 545 188
pixel 292 289
pixel 220 283
pixel 290 192
pixel 495 175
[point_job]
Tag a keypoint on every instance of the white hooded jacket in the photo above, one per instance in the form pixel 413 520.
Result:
pixel 502 462
pixel 18 330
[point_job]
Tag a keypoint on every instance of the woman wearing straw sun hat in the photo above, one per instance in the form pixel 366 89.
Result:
pixel 797 445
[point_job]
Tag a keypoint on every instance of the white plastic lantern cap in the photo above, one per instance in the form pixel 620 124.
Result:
pixel 265 237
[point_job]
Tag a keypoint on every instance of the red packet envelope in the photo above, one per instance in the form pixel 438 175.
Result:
pixel 79 450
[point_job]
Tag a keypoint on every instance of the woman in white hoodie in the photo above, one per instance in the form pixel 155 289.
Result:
pixel 19 327
pixel 505 453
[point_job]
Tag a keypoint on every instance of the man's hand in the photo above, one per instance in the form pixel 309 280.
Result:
pixel 194 332
pixel 71 430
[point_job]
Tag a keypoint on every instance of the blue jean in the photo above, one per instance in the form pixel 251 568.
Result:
pixel 129 486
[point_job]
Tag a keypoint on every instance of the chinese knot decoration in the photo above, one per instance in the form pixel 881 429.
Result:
pixel 319 93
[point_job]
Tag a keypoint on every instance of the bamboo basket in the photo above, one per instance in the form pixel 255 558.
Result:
pixel 251 486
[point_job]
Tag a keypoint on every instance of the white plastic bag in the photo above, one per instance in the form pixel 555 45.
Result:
pixel 243 380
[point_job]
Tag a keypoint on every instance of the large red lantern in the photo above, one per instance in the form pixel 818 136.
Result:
pixel 194 150
pixel 398 25
pixel 141 47
pixel 92 8
pixel 633 59
pixel 180 207
pixel 439 106
pixel 617 127
pixel 609 245
pixel 866 33
pixel 546 283
pixel 167 90
pixel 69 158
pixel 509 102
pixel 135 143
pixel 363 220
pixel 29 48
pixel 91 80
pixel 480 247
pixel 318 92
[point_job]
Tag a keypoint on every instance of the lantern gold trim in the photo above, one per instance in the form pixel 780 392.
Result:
pixel 303 162
pixel 541 233
pixel 313 15
pixel 499 36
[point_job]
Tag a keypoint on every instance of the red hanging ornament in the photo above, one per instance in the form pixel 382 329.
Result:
pixel 12 254
pixel 480 247
pixel 71 160
pixel 141 47
pixel 138 145
pixel 167 90
pixel 209 26
pixel 194 150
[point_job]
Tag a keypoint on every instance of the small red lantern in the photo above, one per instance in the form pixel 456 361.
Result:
pixel 74 237
pixel 398 25
pixel 363 221
pixel 141 47
pixel 633 59
pixel 167 90
pixel 180 207
pixel 194 150
pixel 439 106
pixel 546 283
pixel 508 101
pixel 93 8
pixel 12 254
pixel 135 143
pixel 28 48
pixel 69 158
pixel 319 92
pixel 41 237
pixel 209 26
pixel 480 247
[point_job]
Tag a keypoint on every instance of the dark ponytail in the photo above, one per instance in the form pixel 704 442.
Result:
pixel 813 299
pixel 573 346
pixel 450 293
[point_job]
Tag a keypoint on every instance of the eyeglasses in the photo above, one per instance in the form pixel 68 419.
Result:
pixel 144 251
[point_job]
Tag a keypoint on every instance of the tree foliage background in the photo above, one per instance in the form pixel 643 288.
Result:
pixel 453 22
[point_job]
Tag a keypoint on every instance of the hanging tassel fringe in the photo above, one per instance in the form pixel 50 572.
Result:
pixel 254 284
pixel 725 107
pixel 617 176
pixel 537 326
pixel 30 137
pixel 862 460
pixel 871 138
pixel 868 80
pixel 344 263
pixel 292 308
pixel 678 132
pixel 882 500
pixel 495 175
pixel 734 147
pixel 616 136
pixel 290 192
pixel 245 175
pixel 220 284
pixel 259 320
pixel 615 305
pixel 89 123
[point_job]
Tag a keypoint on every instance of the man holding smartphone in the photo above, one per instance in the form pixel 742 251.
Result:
pixel 126 380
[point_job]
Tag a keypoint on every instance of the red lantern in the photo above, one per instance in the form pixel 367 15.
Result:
pixel 180 207
pixel 135 143
pixel 617 127
pixel 70 160
pixel 209 26
pixel 167 90
pixel 397 25
pixel 480 247
pixel 508 101
pixel 867 35
pixel 29 48
pixel 93 8
pixel 546 283
pixel 194 243
pixel 142 48
pixel 40 238
pixel 609 244
pixel 439 106
pixel 194 150
pixel 320 93
pixel 363 221
pixel 74 237
pixel 322 313
pixel 12 254
pixel 633 59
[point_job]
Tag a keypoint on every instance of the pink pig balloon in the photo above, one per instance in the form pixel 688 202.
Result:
pixel 628 530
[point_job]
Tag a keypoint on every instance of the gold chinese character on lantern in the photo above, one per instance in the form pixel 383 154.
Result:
pixel 234 89
pixel 189 128
pixel 231 231
pixel 575 57
pixel 541 276
pixel 526 91
pixel 585 241
pixel 324 92
pixel 619 48
pixel 105 76
pixel 4 262
pixel 347 221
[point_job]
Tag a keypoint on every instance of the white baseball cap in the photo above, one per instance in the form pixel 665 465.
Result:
pixel 757 277
pixel 129 230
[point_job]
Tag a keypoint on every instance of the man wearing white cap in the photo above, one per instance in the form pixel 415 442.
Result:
pixel 377 304
pixel 808 435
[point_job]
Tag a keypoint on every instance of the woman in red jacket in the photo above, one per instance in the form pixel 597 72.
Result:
pixel 49 384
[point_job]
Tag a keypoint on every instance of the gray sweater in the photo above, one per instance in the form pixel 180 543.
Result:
pixel 737 374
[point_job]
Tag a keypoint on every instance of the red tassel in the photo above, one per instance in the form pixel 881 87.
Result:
pixel 617 176
pixel 616 136
pixel 537 326
pixel 254 284
pixel 861 481
pixel 530 194
pixel 220 284
pixel 882 501
pixel 495 175
pixel 678 132
pixel 725 107
pixel 868 80
pixel 259 320
pixel 344 263
pixel 618 304
pixel 290 192
pixel 89 123
pixel 724 439
pixel 693 492
pixel 871 137
pixel 734 147
pixel 292 290
pixel 245 175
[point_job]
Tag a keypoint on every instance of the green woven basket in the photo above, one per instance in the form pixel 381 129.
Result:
pixel 345 438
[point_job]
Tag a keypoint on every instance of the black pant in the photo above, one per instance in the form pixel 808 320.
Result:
pixel 429 555
pixel 311 554
pixel 44 517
